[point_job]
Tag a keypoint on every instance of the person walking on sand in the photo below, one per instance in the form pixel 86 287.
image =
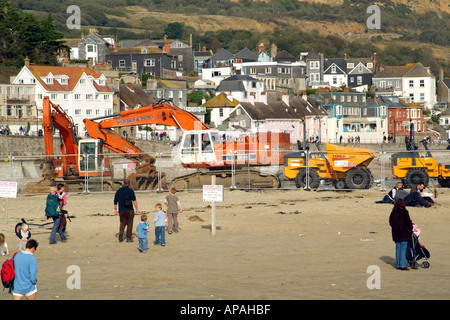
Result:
pixel 25 267
pixel 173 207
pixel 401 226
pixel 160 225
pixel 142 230
pixel 124 200
pixel 52 210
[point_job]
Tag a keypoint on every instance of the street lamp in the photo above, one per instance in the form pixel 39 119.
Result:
pixel 37 117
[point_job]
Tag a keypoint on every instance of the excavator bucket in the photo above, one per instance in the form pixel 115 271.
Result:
pixel 42 186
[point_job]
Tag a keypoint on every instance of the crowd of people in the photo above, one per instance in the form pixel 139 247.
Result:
pixel 4 129
pixel 126 207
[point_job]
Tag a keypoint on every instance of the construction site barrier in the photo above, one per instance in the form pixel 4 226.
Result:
pixel 29 169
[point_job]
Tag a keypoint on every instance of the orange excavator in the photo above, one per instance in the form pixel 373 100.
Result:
pixel 201 148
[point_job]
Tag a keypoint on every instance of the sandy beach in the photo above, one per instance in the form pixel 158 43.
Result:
pixel 269 244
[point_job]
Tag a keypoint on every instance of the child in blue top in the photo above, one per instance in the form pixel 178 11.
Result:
pixel 160 225
pixel 142 230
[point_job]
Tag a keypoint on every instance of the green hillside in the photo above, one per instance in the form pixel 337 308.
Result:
pixel 410 31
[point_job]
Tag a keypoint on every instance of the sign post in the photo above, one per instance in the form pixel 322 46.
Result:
pixel 8 189
pixel 213 193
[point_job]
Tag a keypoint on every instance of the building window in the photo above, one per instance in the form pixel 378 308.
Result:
pixel 149 63
pixel 89 97
pixel 252 70
pixel 422 96
pixel 422 83
pixel 49 80
pixel 359 79
pixel 314 64
pixel 411 83
pixel 411 96
pixel 333 69
pixel 121 63
pixel 105 97
pixel 268 70
pixel 77 112
pixel 53 96
pixel 77 96
pixel 220 112
pixel 82 81
pixel 91 48
pixel 88 112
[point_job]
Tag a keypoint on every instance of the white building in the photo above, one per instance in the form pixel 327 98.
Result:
pixel 216 75
pixel 80 91
pixel 412 82
pixel 242 88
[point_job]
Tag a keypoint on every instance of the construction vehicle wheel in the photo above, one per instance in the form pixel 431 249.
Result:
pixel 357 178
pixel 314 179
pixel 339 184
pixel 414 176
pixel 445 183
pixel 179 184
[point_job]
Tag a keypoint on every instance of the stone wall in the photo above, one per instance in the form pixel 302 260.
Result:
pixel 16 145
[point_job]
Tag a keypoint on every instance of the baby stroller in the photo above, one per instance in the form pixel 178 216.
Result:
pixel 416 251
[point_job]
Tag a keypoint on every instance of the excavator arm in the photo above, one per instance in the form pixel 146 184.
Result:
pixel 160 113
pixel 54 117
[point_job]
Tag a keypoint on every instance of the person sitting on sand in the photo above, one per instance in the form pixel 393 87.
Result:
pixel 390 197
pixel 415 199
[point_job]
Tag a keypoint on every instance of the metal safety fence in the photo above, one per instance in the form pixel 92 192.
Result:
pixel 315 168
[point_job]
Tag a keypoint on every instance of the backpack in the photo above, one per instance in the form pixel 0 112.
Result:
pixel 8 273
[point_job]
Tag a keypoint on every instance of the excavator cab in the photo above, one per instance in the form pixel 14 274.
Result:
pixel 197 146
pixel 91 158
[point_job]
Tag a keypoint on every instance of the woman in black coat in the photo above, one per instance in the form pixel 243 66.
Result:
pixel 401 225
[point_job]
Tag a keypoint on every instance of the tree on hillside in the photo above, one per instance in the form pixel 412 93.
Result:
pixel 22 35
pixel 174 30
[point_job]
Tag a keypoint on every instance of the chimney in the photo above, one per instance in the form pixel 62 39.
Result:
pixel 27 62
pixel 251 99
pixel 190 40
pixel 441 74
pixel 305 96
pixel 260 47
pixel 285 98
pixel 345 56
pixel 263 97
